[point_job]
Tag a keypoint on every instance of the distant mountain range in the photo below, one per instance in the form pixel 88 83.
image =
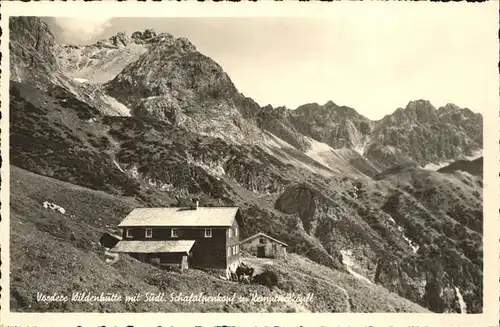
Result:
pixel 148 118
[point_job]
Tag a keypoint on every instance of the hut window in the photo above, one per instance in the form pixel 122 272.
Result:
pixel 208 232
pixel 173 232
pixel 228 251
pixel 230 232
pixel 236 231
pixel 149 233
pixel 129 233
pixel 262 240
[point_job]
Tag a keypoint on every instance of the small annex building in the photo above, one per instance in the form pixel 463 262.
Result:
pixel 198 237
pixel 264 246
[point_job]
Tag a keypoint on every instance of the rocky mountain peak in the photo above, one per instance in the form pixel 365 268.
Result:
pixel 450 107
pixel 31 48
pixel 421 110
pixel 329 110
pixel 419 104
pixel 457 113
pixel 150 36
pixel 427 135
pixel 146 35
pixel 103 60
pixel 184 44
pixel 174 70
pixel 174 83
pixel 120 39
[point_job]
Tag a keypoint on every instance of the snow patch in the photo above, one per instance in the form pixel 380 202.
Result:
pixel 433 166
pixel 318 150
pixel 55 207
pixel 318 147
pixel 215 170
pixel 461 302
pixel 275 142
pixel 413 245
pixel 337 160
pixel 117 106
pixel 476 155
pixel 160 185
pixel 134 171
pixel 348 261
pixel 360 147
pixel 80 80
pixel 118 166
pixel 392 149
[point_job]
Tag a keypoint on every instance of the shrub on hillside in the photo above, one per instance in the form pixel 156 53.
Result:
pixel 267 278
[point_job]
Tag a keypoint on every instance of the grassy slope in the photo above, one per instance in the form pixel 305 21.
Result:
pixel 60 253
pixel 443 214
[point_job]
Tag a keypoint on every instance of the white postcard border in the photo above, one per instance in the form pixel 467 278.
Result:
pixel 249 9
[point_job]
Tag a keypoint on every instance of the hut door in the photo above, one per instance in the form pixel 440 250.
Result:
pixel 261 252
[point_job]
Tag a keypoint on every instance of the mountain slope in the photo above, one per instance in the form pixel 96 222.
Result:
pixel 72 241
pixel 102 61
pixel 128 161
pixel 192 134
pixel 33 61
pixel 338 126
pixel 473 167
pixel 189 89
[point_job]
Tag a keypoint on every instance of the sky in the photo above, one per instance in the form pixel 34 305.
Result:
pixel 374 62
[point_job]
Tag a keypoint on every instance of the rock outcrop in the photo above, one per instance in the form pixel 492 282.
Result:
pixel 174 83
pixel 31 49
pixel 426 135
